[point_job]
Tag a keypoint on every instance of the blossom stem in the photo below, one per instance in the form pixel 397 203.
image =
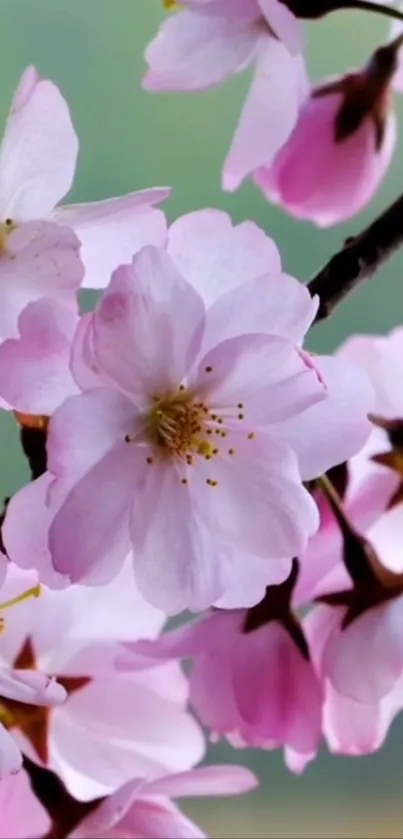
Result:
pixel 368 6
pixel 359 258
pixel 314 9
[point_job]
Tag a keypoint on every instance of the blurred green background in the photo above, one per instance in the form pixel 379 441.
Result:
pixel 129 140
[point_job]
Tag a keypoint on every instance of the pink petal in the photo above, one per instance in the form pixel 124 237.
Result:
pixel 260 505
pixel 216 256
pixel 39 359
pixel 177 564
pixel 318 179
pixel 112 231
pixel 84 368
pixel 22 816
pixel 26 529
pixel 136 337
pixel 118 728
pixel 365 660
pixel 286 26
pixel 140 817
pixel 88 537
pixel 277 692
pixel 269 114
pixel 192 51
pixel 205 780
pixel 273 303
pixel 334 429
pixel 85 428
pixel 212 694
pixel 31 687
pixel 264 373
pixel 247 579
pixel 356 728
pixel 380 356
pixel 41 260
pixel 10 759
pixel 39 150
pixel 109 812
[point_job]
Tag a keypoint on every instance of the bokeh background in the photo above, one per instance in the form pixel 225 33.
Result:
pixel 130 140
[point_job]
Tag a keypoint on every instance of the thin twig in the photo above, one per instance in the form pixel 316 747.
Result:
pixel 358 260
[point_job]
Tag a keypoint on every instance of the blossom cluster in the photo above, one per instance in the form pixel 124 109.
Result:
pixel 190 455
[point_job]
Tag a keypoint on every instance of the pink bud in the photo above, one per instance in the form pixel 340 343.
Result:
pixel 340 149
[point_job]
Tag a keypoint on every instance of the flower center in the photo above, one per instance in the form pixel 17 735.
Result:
pixel 179 426
pixel 6 227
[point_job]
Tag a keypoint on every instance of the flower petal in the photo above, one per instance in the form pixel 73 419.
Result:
pixel 40 260
pixel 365 660
pixel 270 304
pixel 269 114
pixel 265 374
pixel 112 231
pixel 259 504
pixel 205 780
pixel 89 537
pixel 85 428
pixel 331 431
pixel 39 359
pixel 19 807
pixel 216 256
pixel 177 563
pixel 193 51
pixel 138 341
pixel 26 529
pixel 10 758
pixel 39 150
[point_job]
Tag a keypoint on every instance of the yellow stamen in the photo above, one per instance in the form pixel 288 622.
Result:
pixel 6 227
pixel 35 591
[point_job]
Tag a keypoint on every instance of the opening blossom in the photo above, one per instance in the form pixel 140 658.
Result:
pixel 341 147
pixel 199 420
pixel 205 42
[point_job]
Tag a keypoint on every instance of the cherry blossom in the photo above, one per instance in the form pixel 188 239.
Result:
pixel 204 43
pixel 340 149
pixel 37 162
pixel 112 726
pixel 349 727
pixel 142 808
pixel 252 679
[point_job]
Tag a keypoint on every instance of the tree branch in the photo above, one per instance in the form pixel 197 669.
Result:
pixel 358 260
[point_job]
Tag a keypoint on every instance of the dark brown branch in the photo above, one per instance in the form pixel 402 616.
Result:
pixel 64 811
pixel 358 260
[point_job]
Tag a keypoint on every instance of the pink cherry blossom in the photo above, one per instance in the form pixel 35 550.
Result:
pixel 166 490
pixel 205 43
pixel 22 816
pixel 225 266
pixel 257 687
pixel 350 727
pixel 364 659
pixel 113 726
pixel 37 163
pixel 142 808
pixel 323 177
